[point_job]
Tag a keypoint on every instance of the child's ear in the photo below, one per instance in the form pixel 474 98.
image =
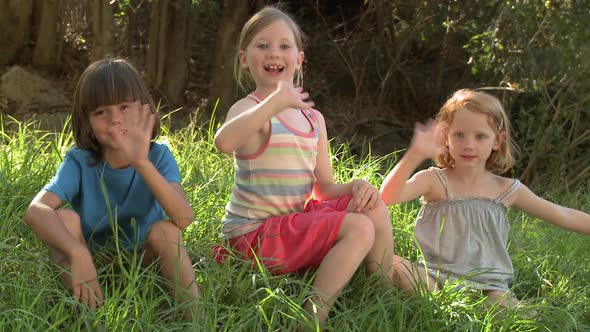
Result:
pixel 300 58
pixel 499 139
pixel 242 59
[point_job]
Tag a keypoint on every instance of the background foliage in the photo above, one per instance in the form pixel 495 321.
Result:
pixel 373 67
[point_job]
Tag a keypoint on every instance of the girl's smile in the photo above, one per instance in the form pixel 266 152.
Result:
pixel 272 55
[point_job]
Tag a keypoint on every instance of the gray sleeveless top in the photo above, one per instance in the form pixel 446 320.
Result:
pixel 466 238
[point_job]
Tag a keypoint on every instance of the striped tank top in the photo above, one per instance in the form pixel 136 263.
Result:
pixel 276 180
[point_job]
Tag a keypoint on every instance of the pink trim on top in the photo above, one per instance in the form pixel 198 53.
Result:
pixel 254 97
pixel 295 131
pixel 284 123
pixel 264 146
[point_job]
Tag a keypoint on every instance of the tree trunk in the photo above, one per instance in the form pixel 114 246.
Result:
pixel 47 48
pixel 15 28
pixel 223 88
pixel 102 27
pixel 169 49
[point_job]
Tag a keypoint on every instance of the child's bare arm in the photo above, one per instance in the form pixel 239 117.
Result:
pixel 134 144
pixel 555 214
pixel 394 190
pixel 246 117
pixel 170 195
pixel 364 195
pixel 45 223
pixel 396 187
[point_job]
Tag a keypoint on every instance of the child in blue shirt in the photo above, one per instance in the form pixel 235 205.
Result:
pixel 121 187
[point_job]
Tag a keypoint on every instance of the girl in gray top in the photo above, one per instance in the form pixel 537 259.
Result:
pixel 462 227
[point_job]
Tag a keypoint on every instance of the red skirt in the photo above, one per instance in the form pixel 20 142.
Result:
pixel 295 242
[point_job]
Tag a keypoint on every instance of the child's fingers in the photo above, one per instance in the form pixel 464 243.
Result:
pixel 373 200
pixel 147 108
pixel 364 196
pixel 91 298
pixel 84 294
pixel 99 296
pixel 148 118
pixel 76 290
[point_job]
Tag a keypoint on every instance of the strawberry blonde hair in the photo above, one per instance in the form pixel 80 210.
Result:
pixel 500 160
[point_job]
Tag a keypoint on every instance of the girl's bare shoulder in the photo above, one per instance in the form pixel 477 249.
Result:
pixel 240 106
pixel 432 180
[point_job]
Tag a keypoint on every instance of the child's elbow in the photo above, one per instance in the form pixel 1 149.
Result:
pixel 29 217
pixel 387 197
pixel 222 144
pixel 185 221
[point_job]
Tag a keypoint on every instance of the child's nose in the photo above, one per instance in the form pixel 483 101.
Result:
pixel 273 52
pixel 116 117
pixel 469 143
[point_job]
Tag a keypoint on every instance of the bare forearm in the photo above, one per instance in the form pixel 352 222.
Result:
pixel 173 202
pixel 327 191
pixel 396 179
pixel 574 220
pixel 46 225
pixel 235 132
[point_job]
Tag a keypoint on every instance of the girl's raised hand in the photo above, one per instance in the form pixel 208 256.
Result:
pixel 426 141
pixel 365 196
pixel 133 141
pixel 293 97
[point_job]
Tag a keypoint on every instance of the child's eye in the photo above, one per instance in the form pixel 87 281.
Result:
pixel 98 112
pixel 262 46
pixel 480 136
pixel 458 135
pixel 285 47
pixel 124 107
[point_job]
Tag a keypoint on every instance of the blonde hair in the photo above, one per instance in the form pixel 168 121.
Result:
pixel 263 18
pixel 500 160
pixel 106 82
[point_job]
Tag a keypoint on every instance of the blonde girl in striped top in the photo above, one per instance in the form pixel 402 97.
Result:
pixel 285 206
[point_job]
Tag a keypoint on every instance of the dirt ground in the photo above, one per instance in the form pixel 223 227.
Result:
pixel 26 94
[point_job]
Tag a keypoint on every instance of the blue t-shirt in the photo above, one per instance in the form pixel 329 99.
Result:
pixel 112 201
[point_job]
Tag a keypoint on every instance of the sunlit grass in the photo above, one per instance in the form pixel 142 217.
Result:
pixel 552 265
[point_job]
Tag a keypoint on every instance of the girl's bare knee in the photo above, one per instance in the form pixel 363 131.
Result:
pixel 380 217
pixel 164 230
pixel 164 239
pixel 359 227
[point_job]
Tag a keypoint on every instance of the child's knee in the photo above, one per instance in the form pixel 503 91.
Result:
pixel 380 217
pixel 71 220
pixel 164 231
pixel 358 226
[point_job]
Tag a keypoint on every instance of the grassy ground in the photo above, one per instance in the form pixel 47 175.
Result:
pixel 552 266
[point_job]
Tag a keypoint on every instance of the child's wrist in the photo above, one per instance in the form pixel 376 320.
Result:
pixel 416 155
pixel 77 251
pixel 276 102
pixel 141 164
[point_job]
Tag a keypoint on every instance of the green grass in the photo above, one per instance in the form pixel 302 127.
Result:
pixel 552 265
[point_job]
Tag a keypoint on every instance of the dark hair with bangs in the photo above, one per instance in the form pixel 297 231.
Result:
pixel 106 82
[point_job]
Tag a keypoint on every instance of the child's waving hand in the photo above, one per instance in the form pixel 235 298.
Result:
pixel 134 139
